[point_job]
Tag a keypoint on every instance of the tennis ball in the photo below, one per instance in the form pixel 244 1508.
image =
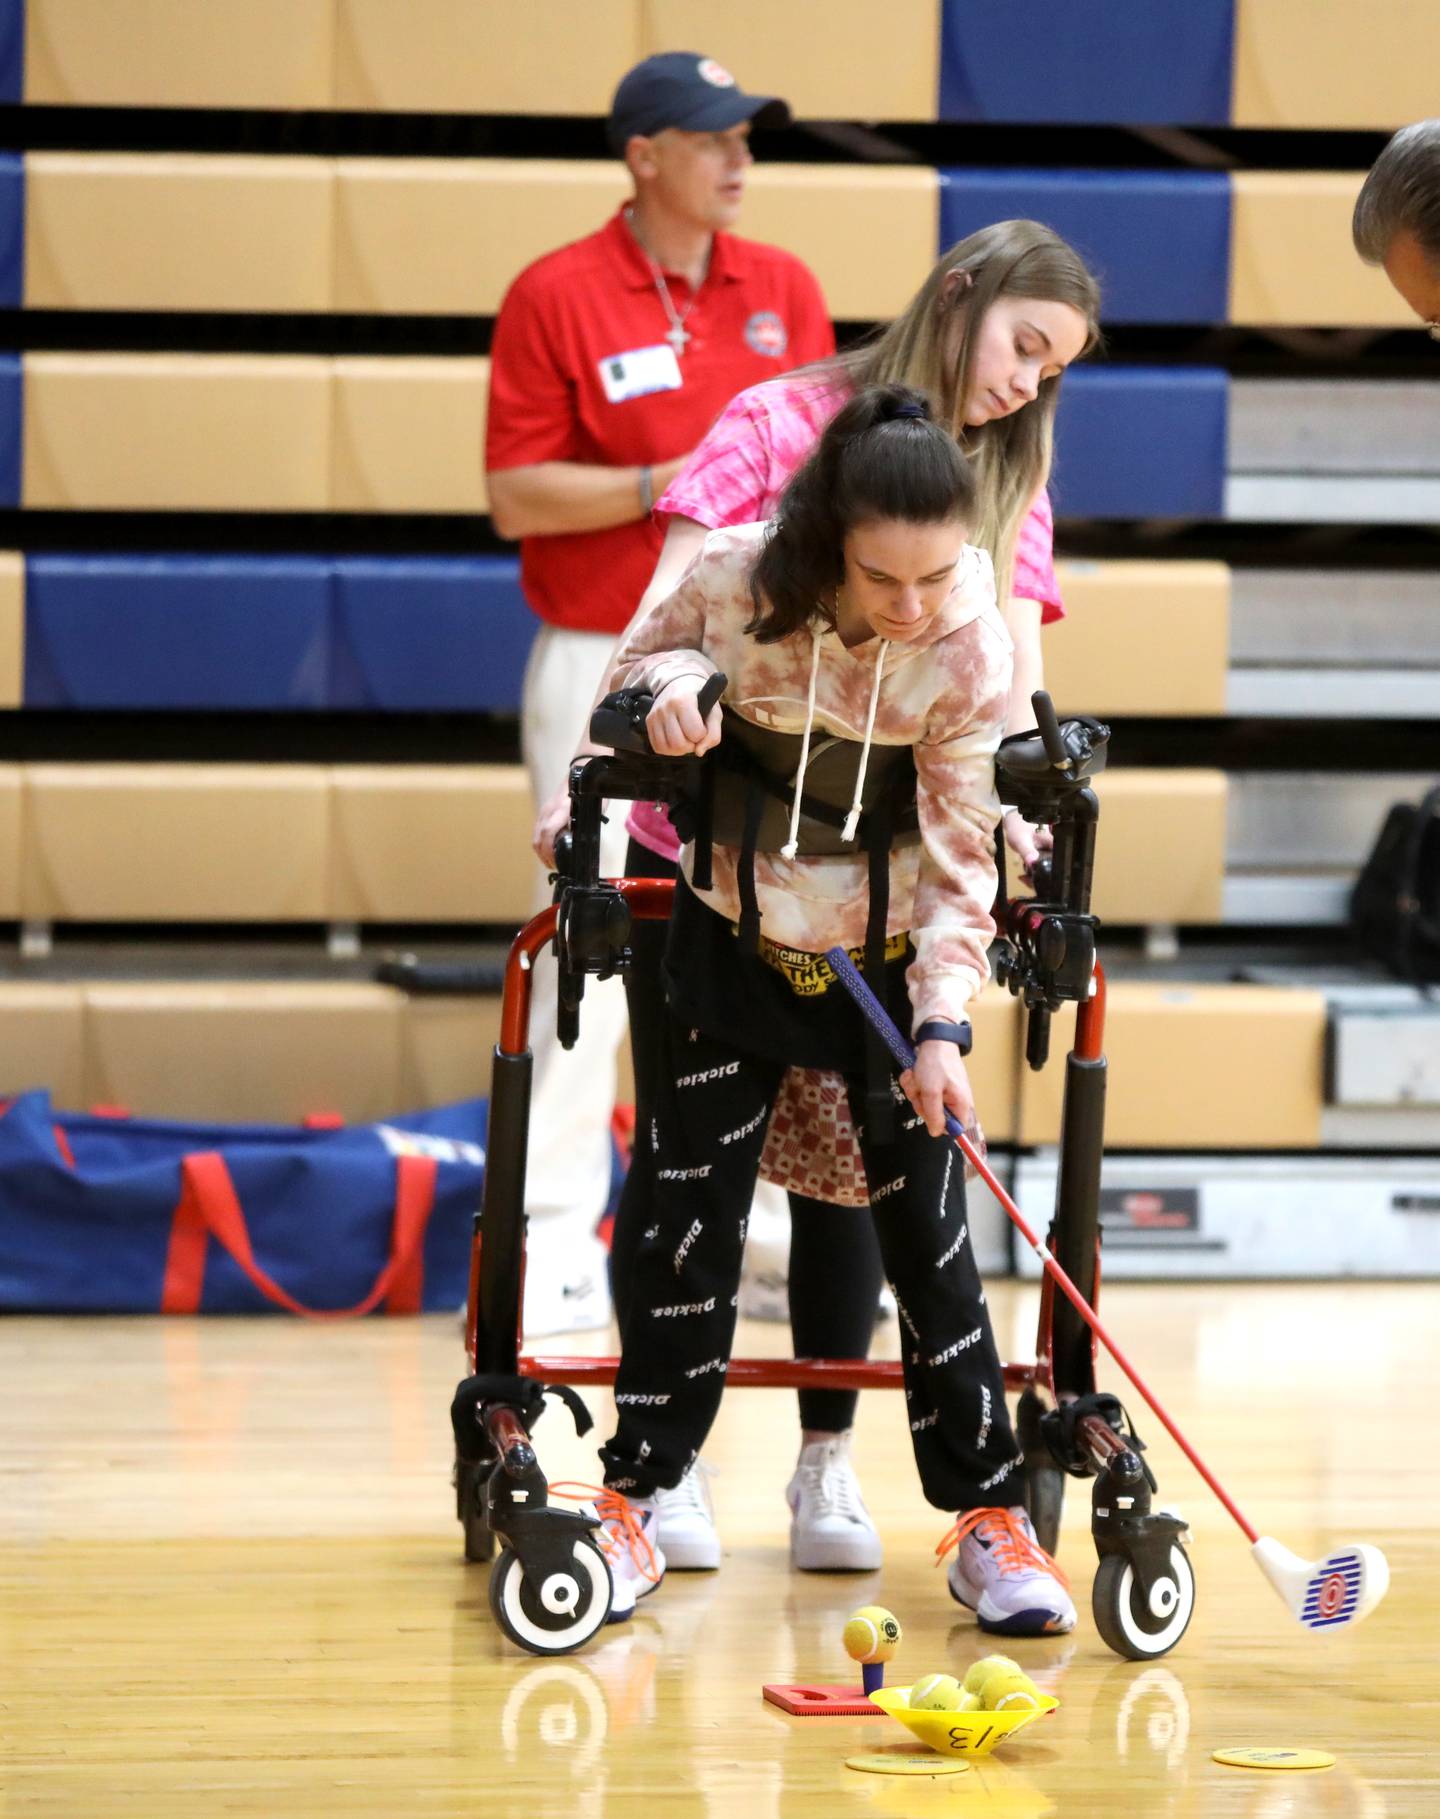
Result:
pixel 976 1673
pixel 871 1634
pixel 1009 1690
pixel 936 1693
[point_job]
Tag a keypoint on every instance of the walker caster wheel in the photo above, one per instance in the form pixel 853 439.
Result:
pixel 562 1612
pixel 470 1477
pixel 1137 1627
pixel 1044 1480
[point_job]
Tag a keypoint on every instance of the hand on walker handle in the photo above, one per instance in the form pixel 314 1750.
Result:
pixel 552 820
pixel 676 727
pixel 1025 840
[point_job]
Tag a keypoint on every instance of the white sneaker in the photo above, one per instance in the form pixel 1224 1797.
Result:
pixel 687 1523
pixel 627 1537
pixel 830 1527
pixel 567 1287
pixel 1002 1573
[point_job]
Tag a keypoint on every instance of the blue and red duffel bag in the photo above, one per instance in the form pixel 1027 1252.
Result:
pixel 104 1214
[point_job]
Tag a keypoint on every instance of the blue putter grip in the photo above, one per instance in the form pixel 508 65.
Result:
pixel 879 1019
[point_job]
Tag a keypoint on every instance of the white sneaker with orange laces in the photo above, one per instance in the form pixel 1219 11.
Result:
pixel 1001 1572
pixel 628 1538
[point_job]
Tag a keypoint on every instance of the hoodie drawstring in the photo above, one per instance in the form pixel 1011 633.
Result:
pixel 792 845
pixel 852 820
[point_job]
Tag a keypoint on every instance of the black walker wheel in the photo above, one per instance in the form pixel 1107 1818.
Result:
pixel 1138 1627
pixel 560 1614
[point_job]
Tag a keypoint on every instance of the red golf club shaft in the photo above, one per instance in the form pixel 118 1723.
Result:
pixel 1093 1321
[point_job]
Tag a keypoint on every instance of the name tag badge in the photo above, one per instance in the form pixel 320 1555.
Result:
pixel 642 371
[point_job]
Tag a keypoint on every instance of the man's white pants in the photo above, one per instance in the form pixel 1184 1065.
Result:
pixel 573 1095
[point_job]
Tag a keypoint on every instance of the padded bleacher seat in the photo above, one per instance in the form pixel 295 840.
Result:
pixel 1289 264
pixel 454 57
pixel 11 820
pixel 1160 857
pixel 12 629
pixel 1116 220
pixel 1144 638
pixel 175 843
pixel 1129 62
pixel 12 222
pixel 869 233
pixel 430 634
pixel 425 236
pixel 174 53
pixel 249 1051
pixel 1141 442
pixel 179 432
pixel 1197 1067
pixel 12 52
pixel 42 1039
pixel 174 231
pixel 1302 65
pixel 433 843
pixel 226 632
pixel 408 435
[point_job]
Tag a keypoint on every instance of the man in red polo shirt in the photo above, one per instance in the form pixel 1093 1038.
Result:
pixel 610 360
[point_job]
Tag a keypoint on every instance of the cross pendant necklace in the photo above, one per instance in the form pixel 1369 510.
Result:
pixel 677 334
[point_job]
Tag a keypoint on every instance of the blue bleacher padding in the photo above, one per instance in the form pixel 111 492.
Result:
pixel 1159 241
pixel 277 634
pixel 12 387
pixel 1141 442
pixel 12 229
pixel 12 51
pixel 430 634
pixel 1123 63
pixel 177 632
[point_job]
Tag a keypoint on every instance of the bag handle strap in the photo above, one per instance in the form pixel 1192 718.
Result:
pixel 210 1208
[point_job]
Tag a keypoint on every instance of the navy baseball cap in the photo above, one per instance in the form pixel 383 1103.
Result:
pixel 688 91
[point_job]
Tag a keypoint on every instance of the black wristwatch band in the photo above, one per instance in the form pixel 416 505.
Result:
pixel 936 1029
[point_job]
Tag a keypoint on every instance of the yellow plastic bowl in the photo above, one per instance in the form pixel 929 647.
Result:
pixel 958 1733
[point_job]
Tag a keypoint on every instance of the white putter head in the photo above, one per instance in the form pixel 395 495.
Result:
pixel 1325 1594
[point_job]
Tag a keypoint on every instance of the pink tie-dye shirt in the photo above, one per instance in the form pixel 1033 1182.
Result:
pixel 744 463
pixel 943 693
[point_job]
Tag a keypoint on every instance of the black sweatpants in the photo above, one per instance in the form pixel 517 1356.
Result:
pixel 835 1265
pixel 712 1103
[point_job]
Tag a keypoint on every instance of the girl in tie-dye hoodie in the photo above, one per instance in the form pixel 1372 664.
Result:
pixel 868 676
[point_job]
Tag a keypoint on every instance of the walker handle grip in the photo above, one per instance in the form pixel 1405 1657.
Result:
pixel 1049 729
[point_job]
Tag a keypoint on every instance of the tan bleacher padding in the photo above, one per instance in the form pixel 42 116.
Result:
pixel 42 1040
pixel 418 236
pixel 187 432
pixel 1292 262
pixel 244 1052
pixel 1203 1067
pixel 870 234
pixel 1302 64
pixel 995 1021
pixel 408 435
pixel 1140 638
pixel 483 56
pixel 12 628
pixel 175 843
pixel 445 1050
pixel 169 231
pixel 1160 854
pixel 432 843
pixel 12 806
pixel 180 53
pixel 847 60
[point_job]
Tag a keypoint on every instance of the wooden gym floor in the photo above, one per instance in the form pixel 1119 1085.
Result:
pixel 232 1584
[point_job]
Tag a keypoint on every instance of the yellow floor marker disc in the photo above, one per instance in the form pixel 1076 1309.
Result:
pixel 1274 1758
pixel 901 1761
